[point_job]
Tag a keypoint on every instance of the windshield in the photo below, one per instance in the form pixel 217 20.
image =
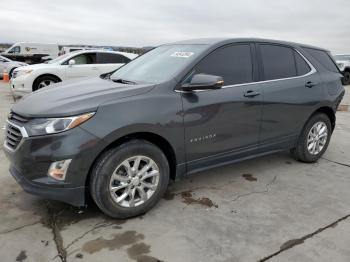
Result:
pixel 15 49
pixel 159 64
pixel 342 57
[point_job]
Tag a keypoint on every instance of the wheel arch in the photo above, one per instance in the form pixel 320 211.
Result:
pixel 11 70
pixel 153 138
pixel 329 112
pixel 42 75
pixel 297 150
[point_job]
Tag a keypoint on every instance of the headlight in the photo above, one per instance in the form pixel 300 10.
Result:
pixel 23 72
pixel 44 126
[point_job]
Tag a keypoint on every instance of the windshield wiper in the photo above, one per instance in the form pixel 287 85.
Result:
pixel 124 81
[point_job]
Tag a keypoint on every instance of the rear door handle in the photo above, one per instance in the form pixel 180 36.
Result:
pixel 251 93
pixel 94 68
pixel 310 84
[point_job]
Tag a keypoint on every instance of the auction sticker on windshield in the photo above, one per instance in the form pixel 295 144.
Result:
pixel 182 54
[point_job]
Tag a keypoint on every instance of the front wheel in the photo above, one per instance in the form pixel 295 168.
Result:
pixel 129 180
pixel 314 139
pixel 44 81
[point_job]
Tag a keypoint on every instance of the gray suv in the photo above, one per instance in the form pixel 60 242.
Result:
pixel 176 110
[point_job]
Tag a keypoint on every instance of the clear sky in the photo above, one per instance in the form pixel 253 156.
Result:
pixel 324 23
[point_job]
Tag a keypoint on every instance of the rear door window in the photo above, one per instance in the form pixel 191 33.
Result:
pixel 277 61
pixel 232 63
pixel 110 58
pixel 323 58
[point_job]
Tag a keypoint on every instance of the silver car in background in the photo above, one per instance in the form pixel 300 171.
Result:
pixel 9 65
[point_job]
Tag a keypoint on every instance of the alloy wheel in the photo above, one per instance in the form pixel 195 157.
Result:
pixel 317 138
pixel 45 83
pixel 134 181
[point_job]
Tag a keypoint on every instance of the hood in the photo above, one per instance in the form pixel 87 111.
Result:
pixel 75 97
pixel 36 66
pixel 15 64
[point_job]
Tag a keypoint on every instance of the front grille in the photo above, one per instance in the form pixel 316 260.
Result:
pixel 13 117
pixel 13 136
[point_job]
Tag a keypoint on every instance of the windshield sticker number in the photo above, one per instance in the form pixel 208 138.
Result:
pixel 182 54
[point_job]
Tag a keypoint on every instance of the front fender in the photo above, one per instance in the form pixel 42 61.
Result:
pixel 156 113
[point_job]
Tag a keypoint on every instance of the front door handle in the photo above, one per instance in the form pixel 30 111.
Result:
pixel 94 68
pixel 251 93
pixel 310 84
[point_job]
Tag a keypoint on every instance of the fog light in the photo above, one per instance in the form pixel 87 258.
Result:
pixel 58 170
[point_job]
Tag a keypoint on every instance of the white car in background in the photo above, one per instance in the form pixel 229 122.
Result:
pixel 77 64
pixel 343 62
pixel 9 65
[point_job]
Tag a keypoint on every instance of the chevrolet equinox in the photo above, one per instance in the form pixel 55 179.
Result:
pixel 178 109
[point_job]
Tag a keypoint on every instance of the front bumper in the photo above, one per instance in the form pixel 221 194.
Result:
pixel 20 86
pixel 74 196
pixel 32 158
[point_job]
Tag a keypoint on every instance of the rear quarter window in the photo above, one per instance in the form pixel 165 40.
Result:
pixel 302 67
pixel 323 58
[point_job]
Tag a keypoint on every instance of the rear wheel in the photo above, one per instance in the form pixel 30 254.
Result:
pixel 129 180
pixel 346 79
pixel 314 139
pixel 44 81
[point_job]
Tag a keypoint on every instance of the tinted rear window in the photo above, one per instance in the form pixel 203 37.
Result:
pixel 278 62
pixel 232 63
pixel 323 58
pixel 109 58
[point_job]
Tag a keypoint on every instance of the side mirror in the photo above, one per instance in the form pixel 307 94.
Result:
pixel 71 62
pixel 203 82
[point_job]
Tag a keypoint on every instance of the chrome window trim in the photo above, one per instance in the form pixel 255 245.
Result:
pixel 23 133
pixel 312 71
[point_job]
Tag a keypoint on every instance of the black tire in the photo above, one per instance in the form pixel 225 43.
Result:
pixel 346 78
pixel 36 84
pixel 109 161
pixel 301 152
pixel 11 72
